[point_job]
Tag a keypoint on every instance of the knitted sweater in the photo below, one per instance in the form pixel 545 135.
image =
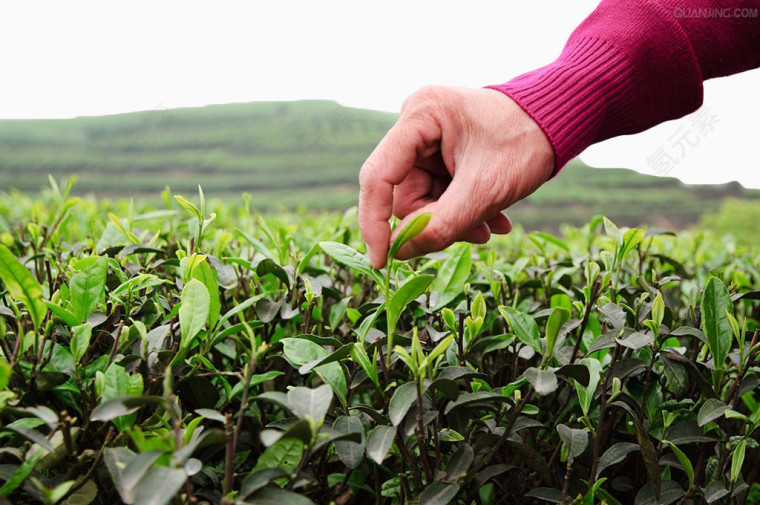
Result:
pixel 633 64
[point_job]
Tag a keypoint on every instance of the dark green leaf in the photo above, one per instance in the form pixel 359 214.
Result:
pixel 615 455
pixel 439 493
pixel 402 399
pixel 379 442
pixel 543 381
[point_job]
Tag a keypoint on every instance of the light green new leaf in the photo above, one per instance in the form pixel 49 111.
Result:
pixel 737 459
pixel 523 326
pixel 359 355
pixel 411 230
pixel 454 272
pixel 21 285
pixel 191 208
pixel 586 394
pixel 716 303
pixel 630 240
pixel 407 293
pixel 87 288
pixel 557 318
pixel 685 462
pixel 351 258
pixel 194 311
pixel 80 340
pixel 199 268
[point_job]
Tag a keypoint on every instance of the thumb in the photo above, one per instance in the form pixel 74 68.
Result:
pixel 454 216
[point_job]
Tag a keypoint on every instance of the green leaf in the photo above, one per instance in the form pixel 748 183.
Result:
pixel 269 266
pixel 411 230
pixel 189 207
pixel 737 459
pixel 359 355
pixel 258 479
pixel 576 440
pixel 283 454
pixel 199 268
pixel 459 463
pixel 557 318
pixel 586 393
pixel 350 453
pixel 313 403
pixel 21 473
pixel 159 485
pixel 22 285
pixel 478 307
pixel 379 442
pixel 658 309
pixel 275 496
pixel 685 462
pixel 351 258
pixel 407 293
pixel 523 326
pixel 465 399
pixel 716 302
pixel 454 272
pixel 80 341
pixel 439 493
pixel 711 410
pixel 87 288
pixel 630 240
pixel 300 351
pixel 64 315
pixel 127 468
pixel 402 399
pixel 543 381
pixel 615 455
pixel 194 311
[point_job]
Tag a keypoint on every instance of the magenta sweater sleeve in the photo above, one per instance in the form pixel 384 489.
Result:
pixel 633 64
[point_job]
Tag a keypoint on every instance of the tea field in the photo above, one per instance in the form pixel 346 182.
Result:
pixel 201 352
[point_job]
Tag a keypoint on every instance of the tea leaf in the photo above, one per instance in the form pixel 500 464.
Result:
pixel 194 310
pixel 22 286
pixel 379 442
pixel 410 231
pixel 715 325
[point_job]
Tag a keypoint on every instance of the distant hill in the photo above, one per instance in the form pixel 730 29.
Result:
pixel 297 153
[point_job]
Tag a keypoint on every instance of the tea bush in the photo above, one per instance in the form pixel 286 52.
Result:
pixel 180 356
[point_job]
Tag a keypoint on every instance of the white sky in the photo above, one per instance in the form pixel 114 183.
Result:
pixel 65 59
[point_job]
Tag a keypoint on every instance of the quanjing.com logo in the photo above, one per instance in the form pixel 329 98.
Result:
pixel 727 12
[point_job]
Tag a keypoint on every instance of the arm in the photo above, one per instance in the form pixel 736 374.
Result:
pixel 633 64
pixel 466 155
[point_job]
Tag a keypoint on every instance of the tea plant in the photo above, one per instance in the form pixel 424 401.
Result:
pixel 180 356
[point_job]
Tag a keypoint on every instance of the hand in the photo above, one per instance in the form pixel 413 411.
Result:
pixel 463 155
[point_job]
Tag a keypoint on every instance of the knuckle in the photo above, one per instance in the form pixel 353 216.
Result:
pixel 438 238
pixel 421 101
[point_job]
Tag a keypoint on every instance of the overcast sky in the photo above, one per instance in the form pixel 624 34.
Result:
pixel 66 59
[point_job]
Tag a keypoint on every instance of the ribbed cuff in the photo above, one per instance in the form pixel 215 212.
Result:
pixel 589 88
pixel 629 66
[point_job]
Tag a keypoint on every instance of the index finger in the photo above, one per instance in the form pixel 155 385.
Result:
pixel 387 166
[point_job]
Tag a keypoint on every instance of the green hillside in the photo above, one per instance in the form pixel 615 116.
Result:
pixel 295 153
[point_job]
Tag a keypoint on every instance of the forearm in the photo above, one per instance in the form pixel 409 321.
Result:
pixel 633 64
